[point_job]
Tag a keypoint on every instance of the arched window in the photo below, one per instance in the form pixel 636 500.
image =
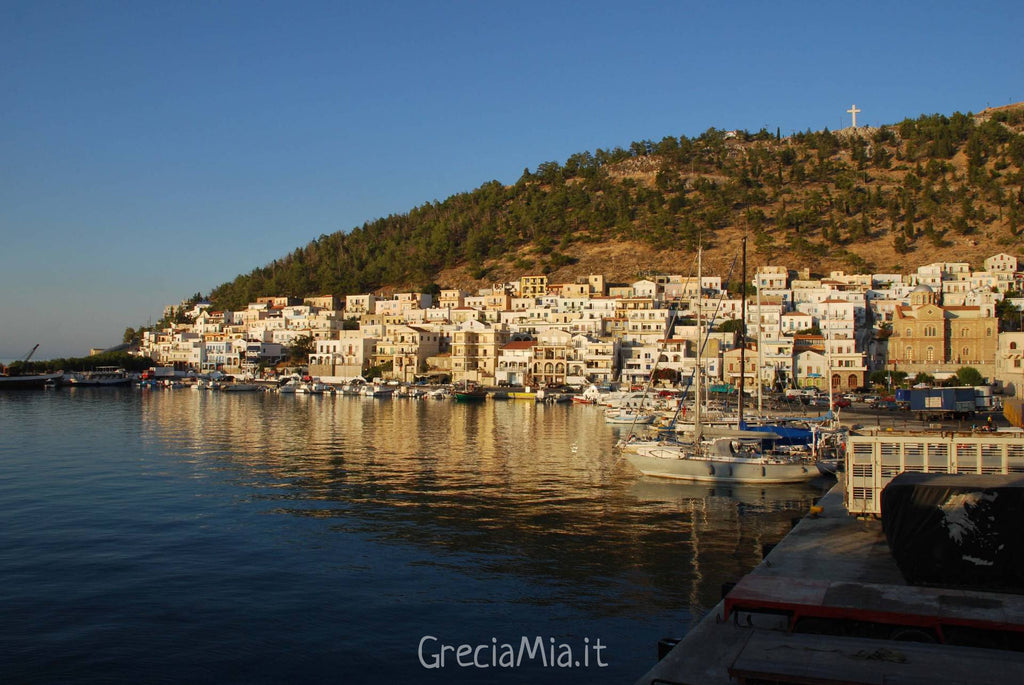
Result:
pixel 965 353
pixel 930 354
pixel 910 333
pixel 835 380
pixel 1013 346
pixel 852 381
pixel 909 352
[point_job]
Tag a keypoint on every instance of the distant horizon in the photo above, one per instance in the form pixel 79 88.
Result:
pixel 157 150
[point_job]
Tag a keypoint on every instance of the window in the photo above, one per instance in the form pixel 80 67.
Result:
pixel 929 331
pixel 910 333
pixel 1013 346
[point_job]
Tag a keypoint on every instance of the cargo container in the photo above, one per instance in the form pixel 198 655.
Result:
pixel 873 460
pixel 942 403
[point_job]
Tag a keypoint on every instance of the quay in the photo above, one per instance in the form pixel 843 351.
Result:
pixel 856 620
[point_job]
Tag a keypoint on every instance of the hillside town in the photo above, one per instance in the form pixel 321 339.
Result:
pixel 536 332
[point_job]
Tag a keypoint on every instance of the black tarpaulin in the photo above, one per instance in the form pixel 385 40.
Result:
pixel 957 530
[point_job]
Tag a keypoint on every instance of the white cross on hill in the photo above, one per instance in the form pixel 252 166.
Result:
pixel 853 110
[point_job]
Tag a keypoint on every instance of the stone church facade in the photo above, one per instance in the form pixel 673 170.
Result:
pixel 929 337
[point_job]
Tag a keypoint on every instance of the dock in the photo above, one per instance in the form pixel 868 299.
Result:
pixel 828 605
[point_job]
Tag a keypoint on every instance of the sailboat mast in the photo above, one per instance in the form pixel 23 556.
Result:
pixel 700 344
pixel 760 359
pixel 743 330
pixel 828 359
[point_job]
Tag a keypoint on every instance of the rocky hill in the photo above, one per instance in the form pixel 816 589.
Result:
pixel 934 188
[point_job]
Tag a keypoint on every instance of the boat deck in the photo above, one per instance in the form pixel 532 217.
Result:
pixel 833 573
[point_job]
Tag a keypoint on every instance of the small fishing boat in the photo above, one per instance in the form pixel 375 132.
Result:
pixel 469 394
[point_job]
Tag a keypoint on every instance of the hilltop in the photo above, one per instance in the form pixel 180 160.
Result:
pixel 934 188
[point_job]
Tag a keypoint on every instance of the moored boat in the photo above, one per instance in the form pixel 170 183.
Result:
pixel 238 386
pixel 106 376
pixel 100 376
pixel 34 381
pixel 378 390
pixel 746 458
pixel 526 393
pixel 722 460
pixel 625 416
pixel 470 395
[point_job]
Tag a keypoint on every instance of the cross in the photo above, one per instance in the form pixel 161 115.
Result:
pixel 853 110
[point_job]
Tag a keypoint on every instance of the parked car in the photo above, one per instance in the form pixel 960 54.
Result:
pixel 871 400
pixel 888 405
pixel 840 402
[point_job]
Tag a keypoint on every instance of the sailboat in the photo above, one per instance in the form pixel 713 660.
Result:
pixel 725 457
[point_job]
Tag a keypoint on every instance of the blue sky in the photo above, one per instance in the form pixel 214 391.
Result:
pixel 150 150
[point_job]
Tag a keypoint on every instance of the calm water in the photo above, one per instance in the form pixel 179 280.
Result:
pixel 182 536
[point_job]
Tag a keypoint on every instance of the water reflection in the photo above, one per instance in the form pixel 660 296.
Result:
pixel 503 488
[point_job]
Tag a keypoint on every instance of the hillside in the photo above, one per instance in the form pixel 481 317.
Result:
pixel 934 188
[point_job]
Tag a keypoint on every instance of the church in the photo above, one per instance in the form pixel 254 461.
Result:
pixel 927 336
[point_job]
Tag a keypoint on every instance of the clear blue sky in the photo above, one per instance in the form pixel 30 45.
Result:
pixel 149 150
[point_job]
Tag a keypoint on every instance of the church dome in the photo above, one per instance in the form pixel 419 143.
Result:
pixel 922 289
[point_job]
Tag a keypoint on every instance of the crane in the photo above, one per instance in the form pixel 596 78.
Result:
pixel 4 370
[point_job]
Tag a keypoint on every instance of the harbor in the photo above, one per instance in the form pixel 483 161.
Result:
pixel 267 537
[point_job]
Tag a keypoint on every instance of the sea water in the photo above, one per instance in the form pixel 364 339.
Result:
pixel 177 536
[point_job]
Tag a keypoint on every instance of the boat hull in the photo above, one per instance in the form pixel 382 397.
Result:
pixel 239 387
pixel 629 419
pixel 99 382
pixel 715 471
pixel 33 382
pixel 528 396
pixel 470 396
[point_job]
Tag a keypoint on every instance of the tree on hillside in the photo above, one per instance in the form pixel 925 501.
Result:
pixel 301 348
pixel 680 192
pixel 1009 316
pixel 730 326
